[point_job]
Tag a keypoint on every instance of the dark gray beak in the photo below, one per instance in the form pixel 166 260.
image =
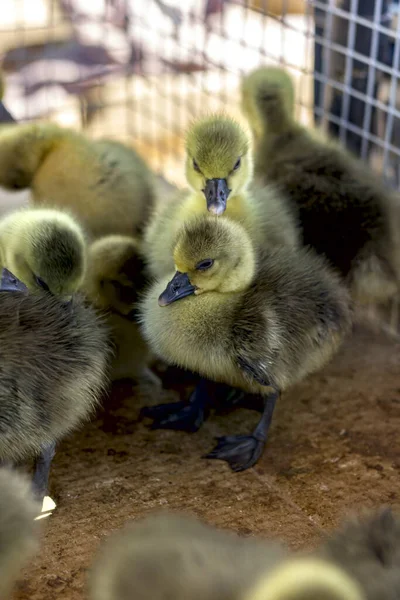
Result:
pixel 10 283
pixel 216 193
pixel 179 287
pixel 5 116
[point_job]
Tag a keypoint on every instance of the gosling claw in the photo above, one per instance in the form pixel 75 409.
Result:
pixel 240 451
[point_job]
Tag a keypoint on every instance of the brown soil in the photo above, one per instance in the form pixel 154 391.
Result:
pixel 334 447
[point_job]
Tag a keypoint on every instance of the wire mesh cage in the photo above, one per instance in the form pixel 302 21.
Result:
pixel 140 70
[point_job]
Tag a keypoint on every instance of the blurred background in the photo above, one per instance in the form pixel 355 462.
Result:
pixel 140 70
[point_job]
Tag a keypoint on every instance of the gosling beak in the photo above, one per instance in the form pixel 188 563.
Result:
pixel 216 193
pixel 10 283
pixel 179 287
pixel 5 116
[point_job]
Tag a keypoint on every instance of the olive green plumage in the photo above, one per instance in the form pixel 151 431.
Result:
pixel 217 147
pixel 344 210
pixel 103 183
pixel 55 358
pixel 213 147
pixel 45 249
pixel 251 320
pixel 306 579
pixel 114 279
pixel 167 555
pixel 174 556
pixel 283 313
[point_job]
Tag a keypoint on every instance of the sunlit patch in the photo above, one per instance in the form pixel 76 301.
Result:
pixel 47 508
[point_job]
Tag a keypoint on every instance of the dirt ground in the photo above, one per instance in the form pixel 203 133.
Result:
pixel 334 447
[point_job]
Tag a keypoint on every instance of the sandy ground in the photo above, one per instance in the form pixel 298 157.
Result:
pixel 334 447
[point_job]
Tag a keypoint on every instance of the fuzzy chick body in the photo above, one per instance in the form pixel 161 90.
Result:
pixel 169 555
pixel 105 184
pixel 344 211
pixel 54 358
pixel 213 147
pixel 113 282
pixel 174 556
pixel 284 314
pixel 18 530
pixel 257 321
pixel 45 249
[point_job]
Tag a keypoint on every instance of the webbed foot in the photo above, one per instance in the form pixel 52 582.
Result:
pixel 240 451
pixel 179 416
pixel 243 451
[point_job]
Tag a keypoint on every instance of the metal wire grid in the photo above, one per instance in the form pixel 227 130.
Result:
pixel 358 96
pixel 155 73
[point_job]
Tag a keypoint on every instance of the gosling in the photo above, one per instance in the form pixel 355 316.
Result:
pixel 219 172
pixel 344 211
pixel 254 321
pixel 170 555
pixel 177 556
pixel 45 249
pixel 54 357
pixel 114 279
pixel 103 183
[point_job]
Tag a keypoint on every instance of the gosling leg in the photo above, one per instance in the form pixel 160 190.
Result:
pixel 243 451
pixel 229 399
pixel 181 416
pixel 42 470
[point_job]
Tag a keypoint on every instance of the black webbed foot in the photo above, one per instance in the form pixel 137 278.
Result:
pixel 181 416
pixel 240 451
pixel 243 451
pixel 161 411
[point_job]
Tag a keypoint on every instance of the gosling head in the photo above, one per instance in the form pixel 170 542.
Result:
pixel 211 255
pixel 268 99
pixel 218 161
pixel 306 579
pixel 46 250
pixel 116 272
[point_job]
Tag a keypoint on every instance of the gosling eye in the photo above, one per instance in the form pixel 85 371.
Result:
pixel 203 265
pixel 42 284
pixel 196 166
pixel 237 164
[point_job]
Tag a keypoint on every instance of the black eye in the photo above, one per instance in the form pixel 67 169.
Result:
pixel 42 284
pixel 237 164
pixel 203 265
pixel 196 166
